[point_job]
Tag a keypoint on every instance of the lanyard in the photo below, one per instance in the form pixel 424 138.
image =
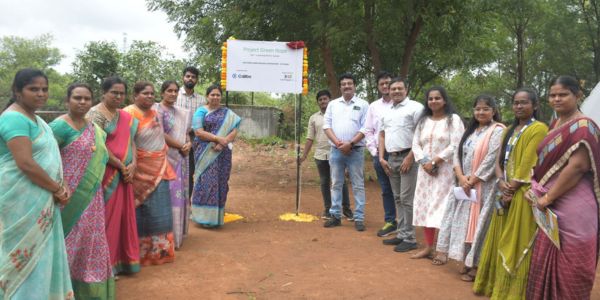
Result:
pixel 511 144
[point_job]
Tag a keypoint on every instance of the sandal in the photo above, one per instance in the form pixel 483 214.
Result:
pixel 439 259
pixel 464 270
pixel 469 276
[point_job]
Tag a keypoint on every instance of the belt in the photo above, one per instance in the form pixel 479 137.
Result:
pixel 398 153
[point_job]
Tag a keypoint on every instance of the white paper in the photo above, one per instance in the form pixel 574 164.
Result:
pixel 591 105
pixel 459 194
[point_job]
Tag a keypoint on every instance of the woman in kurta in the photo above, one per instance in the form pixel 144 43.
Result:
pixel 437 134
pixel 506 253
pixel 33 259
pixel 151 181
pixel 176 123
pixel 565 180
pixel 120 128
pixel 465 222
pixel 215 128
pixel 84 157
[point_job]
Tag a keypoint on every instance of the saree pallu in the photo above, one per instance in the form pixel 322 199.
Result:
pixel 121 231
pixel 213 168
pixel 33 259
pixel 568 272
pixel 506 255
pixel 153 201
pixel 84 162
pixel 176 123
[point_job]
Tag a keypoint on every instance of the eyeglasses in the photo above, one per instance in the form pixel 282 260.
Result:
pixel 117 94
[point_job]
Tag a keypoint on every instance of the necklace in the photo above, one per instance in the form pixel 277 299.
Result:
pixel 109 113
pixel 511 144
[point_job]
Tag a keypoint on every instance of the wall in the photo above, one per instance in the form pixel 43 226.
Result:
pixel 257 121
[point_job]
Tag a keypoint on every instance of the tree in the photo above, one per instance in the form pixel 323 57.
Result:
pixel 97 60
pixel 18 52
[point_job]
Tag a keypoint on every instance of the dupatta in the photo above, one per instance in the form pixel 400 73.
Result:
pixel 481 149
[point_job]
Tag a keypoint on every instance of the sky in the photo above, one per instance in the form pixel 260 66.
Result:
pixel 73 23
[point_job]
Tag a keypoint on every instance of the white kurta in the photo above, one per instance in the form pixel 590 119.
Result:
pixel 435 139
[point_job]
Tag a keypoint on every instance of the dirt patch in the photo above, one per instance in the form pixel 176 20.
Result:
pixel 261 257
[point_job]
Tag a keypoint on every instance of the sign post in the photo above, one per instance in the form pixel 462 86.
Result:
pixel 273 67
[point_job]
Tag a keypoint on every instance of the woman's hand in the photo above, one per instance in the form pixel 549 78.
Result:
pixel 543 202
pixel 221 141
pixel 63 195
pixel 185 149
pixel 128 172
pixel 218 147
pixel 429 168
pixel 463 181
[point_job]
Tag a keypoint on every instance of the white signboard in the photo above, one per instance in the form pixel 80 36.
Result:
pixel 591 105
pixel 257 66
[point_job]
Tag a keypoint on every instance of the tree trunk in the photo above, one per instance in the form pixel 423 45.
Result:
pixel 520 33
pixel 409 47
pixel 327 57
pixel 371 45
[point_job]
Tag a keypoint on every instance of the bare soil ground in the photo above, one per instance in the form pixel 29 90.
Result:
pixel 261 257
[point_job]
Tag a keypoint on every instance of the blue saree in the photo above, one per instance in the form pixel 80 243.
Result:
pixel 213 168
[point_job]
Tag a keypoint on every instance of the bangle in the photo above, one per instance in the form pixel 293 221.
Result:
pixel 58 190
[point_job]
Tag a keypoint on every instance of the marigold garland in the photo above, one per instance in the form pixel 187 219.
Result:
pixel 224 63
pixel 305 72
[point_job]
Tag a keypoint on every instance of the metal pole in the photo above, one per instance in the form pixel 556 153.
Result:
pixel 252 98
pixel 298 133
pixel 227 98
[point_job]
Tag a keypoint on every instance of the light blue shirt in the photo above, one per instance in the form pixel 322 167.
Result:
pixel 346 118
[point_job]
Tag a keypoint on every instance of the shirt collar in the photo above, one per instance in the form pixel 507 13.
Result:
pixel 403 103
pixel 182 92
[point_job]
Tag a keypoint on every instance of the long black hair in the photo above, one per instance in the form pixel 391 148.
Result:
pixel 534 98
pixel 473 124
pixel 23 78
pixel 449 109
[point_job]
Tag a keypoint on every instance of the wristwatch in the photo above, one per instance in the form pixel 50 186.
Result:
pixel 433 163
pixel 352 143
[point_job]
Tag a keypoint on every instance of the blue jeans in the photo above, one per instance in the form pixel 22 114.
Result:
pixel 325 176
pixel 389 205
pixel 355 163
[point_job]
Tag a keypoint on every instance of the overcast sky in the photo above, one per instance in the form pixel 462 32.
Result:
pixel 73 23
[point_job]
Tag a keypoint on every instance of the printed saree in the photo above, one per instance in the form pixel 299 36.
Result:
pixel 568 272
pixel 505 256
pixel 154 215
pixel 213 168
pixel 176 123
pixel 121 232
pixel 33 259
pixel 84 156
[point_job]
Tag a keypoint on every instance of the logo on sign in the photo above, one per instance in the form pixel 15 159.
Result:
pixel 241 76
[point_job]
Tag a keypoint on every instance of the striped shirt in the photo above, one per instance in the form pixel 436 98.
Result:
pixel 189 102
pixel 346 118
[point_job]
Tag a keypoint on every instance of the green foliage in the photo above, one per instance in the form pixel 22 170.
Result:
pixel 17 53
pixel 143 60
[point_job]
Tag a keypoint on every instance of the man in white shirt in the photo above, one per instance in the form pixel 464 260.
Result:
pixel 343 124
pixel 316 135
pixel 395 136
pixel 376 111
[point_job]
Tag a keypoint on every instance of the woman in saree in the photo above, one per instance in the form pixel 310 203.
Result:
pixel 215 128
pixel 33 259
pixel 465 222
pixel 175 122
pixel 84 157
pixel 565 180
pixel 506 253
pixel 151 181
pixel 120 128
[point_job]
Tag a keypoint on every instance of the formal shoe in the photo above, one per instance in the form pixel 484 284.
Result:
pixel 332 222
pixel 359 225
pixel 326 215
pixel 388 228
pixel 405 246
pixel 393 241
pixel 348 214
